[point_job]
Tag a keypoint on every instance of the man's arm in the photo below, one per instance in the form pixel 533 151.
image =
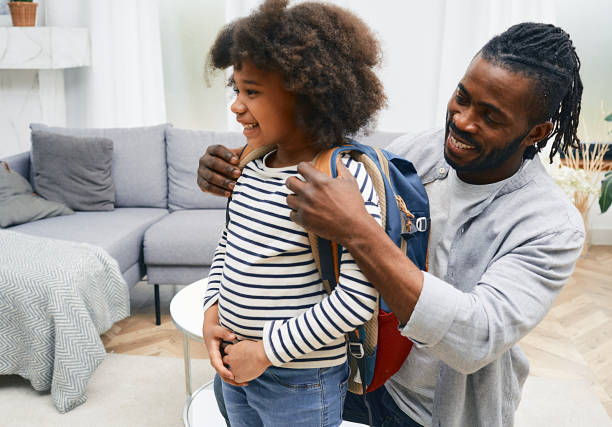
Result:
pixel 466 330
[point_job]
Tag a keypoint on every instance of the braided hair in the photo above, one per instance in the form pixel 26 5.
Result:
pixel 545 54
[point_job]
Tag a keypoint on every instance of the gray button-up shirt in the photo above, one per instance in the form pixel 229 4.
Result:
pixel 506 265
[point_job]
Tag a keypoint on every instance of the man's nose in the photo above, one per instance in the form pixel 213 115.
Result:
pixel 464 120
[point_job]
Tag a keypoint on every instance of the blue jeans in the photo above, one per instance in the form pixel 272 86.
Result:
pixel 385 412
pixel 289 397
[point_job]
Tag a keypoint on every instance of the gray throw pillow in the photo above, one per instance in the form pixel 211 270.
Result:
pixel 19 205
pixel 139 162
pixel 75 171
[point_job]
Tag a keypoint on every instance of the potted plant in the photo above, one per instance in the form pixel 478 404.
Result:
pixel 23 13
pixel 605 195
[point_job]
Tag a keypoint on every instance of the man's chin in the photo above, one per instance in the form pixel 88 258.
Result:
pixel 450 161
pixel 470 167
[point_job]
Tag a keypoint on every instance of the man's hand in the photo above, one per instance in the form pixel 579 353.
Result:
pixel 217 173
pixel 213 334
pixel 247 360
pixel 330 208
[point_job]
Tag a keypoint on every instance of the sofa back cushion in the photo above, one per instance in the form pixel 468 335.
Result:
pixel 139 169
pixel 184 149
pixel 72 170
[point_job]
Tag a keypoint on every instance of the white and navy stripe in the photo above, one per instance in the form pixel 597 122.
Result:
pixel 265 280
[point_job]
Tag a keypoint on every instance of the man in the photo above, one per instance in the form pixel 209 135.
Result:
pixel 504 239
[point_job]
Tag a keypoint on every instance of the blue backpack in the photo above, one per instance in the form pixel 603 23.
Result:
pixel 376 349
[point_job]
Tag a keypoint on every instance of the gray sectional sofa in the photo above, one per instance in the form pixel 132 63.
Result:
pixel 162 225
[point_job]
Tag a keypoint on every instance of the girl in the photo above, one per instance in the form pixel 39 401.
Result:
pixel 304 81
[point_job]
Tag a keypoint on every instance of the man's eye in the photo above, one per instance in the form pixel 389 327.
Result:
pixel 489 120
pixel 460 99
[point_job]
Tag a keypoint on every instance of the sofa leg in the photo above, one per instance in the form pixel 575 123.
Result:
pixel 157 306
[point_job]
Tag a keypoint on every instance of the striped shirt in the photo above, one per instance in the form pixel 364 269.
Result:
pixel 265 280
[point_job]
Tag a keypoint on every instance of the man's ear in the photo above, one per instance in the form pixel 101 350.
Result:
pixel 538 133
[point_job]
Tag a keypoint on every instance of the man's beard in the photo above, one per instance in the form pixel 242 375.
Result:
pixel 493 160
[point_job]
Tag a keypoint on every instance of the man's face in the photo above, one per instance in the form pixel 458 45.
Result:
pixel 487 123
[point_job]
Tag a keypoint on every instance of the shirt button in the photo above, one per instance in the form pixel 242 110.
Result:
pixel 442 171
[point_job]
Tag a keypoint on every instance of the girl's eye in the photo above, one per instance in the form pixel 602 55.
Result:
pixel 251 92
pixel 236 91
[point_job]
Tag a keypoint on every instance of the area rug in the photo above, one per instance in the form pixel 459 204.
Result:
pixel 150 391
pixel 125 391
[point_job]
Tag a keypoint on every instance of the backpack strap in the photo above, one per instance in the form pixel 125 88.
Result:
pixel 377 179
pixel 323 249
pixel 326 253
pixel 250 153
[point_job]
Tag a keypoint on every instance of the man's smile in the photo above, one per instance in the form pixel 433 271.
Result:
pixel 459 145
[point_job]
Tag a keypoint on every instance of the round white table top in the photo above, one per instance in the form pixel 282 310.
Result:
pixel 186 309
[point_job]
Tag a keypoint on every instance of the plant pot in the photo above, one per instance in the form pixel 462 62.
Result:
pixel 23 14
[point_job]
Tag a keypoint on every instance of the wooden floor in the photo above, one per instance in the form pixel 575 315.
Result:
pixel 573 341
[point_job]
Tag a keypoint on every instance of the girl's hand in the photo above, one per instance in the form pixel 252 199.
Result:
pixel 217 173
pixel 247 359
pixel 213 334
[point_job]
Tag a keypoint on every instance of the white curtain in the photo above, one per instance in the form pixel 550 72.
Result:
pixel 124 85
pixel 426 48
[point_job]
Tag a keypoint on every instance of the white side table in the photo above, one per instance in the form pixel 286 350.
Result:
pixel 186 310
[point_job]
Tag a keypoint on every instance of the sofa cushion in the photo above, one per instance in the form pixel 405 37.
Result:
pixel 175 274
pixel 19 205
pixel 185 237
pixel 119 232
pixel 184 147
pixel 139 162
pixel 75 171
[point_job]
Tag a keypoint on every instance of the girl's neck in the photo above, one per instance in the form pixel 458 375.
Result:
pixel 286 155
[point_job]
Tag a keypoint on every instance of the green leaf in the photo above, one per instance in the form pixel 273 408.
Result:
pixel 605 197
pixel 608 118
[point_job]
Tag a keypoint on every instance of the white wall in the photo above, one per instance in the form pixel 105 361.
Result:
pixel 188 29
pixel 589 26
pixel 417 80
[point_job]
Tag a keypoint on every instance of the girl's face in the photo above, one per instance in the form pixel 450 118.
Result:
pixel 264 107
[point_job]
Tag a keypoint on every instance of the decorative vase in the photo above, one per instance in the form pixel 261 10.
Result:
pixel 23 13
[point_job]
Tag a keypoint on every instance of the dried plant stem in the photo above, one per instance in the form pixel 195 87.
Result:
pixel 589 161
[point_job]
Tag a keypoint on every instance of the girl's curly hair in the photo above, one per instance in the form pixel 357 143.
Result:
pixel 325 56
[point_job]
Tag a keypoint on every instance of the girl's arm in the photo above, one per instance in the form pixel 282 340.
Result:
pixel 351 304
pixel 212 331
